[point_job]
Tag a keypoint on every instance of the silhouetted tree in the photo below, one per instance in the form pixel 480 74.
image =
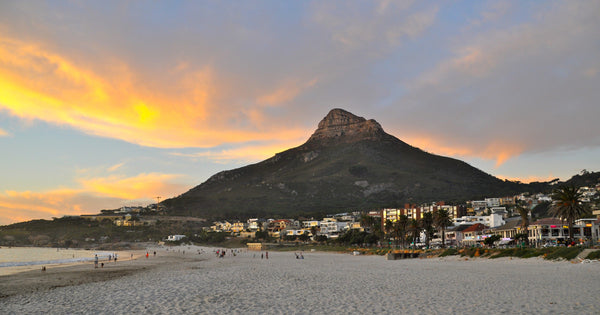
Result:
pixel 442 221
pixel 568 205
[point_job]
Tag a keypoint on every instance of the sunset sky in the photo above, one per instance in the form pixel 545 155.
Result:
pixel 106 104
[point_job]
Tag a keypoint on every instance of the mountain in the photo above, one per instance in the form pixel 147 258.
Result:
pixel 348 163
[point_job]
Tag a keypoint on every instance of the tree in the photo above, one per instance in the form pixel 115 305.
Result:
pixel 304 237
pixel 489 241
pixel 415 229
pixel 402 227
pixel 427 225
pixel 369 222
pixel 389 227
pixel 321 238
pixel 568 205
pixel 442 221
pixel 313 230
pixel 524 213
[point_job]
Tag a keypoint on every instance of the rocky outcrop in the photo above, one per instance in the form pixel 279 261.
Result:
pixel 344 126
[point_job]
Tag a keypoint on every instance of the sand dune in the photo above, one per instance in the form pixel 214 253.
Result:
pixel 321 283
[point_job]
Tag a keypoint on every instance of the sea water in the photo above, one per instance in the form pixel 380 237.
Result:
pixel 18 259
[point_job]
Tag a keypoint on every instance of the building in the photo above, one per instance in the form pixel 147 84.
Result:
pixel 416 212
pixel 174 238
pixel 492 220
pixel 556 231
pixel 474 234
pixel 508 230
pixel 331 228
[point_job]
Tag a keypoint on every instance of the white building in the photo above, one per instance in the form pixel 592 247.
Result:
pixel 332 228
pixel 492 220
pixel 174 238
pixel 492 202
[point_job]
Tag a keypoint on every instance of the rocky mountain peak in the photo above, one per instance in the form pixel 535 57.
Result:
pixel 340 124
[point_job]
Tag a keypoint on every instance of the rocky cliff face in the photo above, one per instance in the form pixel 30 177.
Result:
pixel 340 125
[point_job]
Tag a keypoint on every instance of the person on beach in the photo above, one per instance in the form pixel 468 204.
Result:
pixel 96 261
pixel 267 255
pixel 147 255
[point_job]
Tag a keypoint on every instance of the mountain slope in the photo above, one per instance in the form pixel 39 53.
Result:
pixel 349 163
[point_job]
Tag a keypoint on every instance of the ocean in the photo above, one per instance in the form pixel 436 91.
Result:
pixel 18 259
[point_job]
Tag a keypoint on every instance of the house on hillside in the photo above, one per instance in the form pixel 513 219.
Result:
pixel 331 228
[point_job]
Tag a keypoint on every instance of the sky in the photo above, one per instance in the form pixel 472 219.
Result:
pixel 105 104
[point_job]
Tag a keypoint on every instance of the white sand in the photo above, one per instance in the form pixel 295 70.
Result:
pixel 325 283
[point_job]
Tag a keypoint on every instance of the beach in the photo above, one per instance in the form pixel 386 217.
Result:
pixel 198 282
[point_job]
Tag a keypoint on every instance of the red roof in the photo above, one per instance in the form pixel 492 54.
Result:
pixel 474 228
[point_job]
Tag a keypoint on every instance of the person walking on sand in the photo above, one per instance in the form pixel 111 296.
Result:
pixel 267 255
pixel 147 255
pixel 96 261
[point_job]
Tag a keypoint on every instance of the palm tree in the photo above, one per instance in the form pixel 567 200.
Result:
pixel 427 225
pixel 414 229
pixel 389 227
pixel 568 205
pixel 524 213
pixel 402 226
pixel 442 220
pixel 369 222
pixel 397 232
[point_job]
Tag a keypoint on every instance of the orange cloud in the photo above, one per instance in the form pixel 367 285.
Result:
pixel 496 150
pixel 115 167
pixel 140 186
pixel 183 108
pixel 3 133
pixel 528 179
pixel 27 205
pixel 284 93
pixel 93 195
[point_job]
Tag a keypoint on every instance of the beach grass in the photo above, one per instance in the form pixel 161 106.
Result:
pixel 594 255
pixel 553 253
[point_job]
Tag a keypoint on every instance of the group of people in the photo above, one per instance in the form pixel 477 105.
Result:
pixel 111 257
pixel 222 252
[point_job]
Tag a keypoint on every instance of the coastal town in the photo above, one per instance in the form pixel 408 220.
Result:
pixel 469 224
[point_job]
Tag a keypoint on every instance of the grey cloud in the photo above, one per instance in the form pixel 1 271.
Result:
pixel 525 85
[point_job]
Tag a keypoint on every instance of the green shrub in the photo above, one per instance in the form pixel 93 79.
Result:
pixel 470 252
pixel 519 252
pixel 594 255
pixel 567 253
pixel 449 252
